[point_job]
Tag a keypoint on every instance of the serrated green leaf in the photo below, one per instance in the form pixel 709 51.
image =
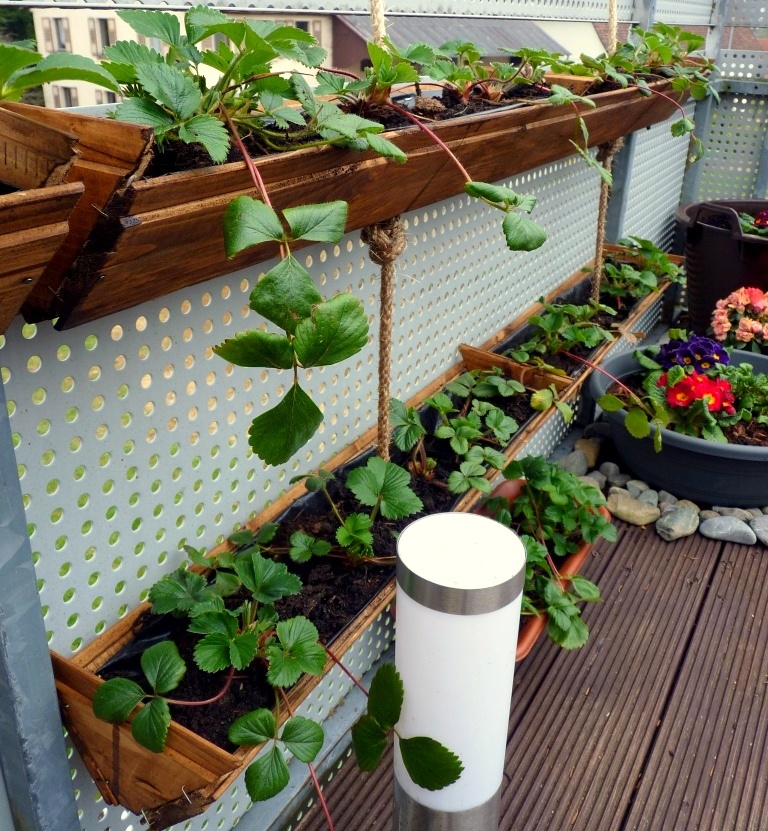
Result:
pixel 572 637
pixel 253 728
pixel 302 737
pixel 210 132
pixel 163 666
pixel 430 764
pixel 116 699
pixel 637 424
pixel 14 57
pixel 321 223
pixel 336 330
pixel 470 475
pixel 248 222
pixel 277 434
pixel 407 424
pixel 206 621
pixel 386 695
pixel 61 66
pixel 267 776
pixel 171 87
pixel 267 532
pixel 144 111
pixel 212 652
pixel 387 485
pixel 150 725
pixel 153 24
pixel 493 193
pixel 682 127
pixel 178 592
pixel 285 295
pixel 268 580
pixel 369 742
pixel 297 652
pixel 610 403
pixel 242 649
pixel 585 589
pixel 522 234
pixel 304 547
pixel 355 532
pixel 257 348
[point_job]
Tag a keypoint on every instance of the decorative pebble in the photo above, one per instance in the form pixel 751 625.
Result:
pixel 686 503
pixel 636 486
pixel 677 522
pixel 590 448
pixel 575 463
pixel 609 469
pixel 619 479
pixel 616 489
pixel 623 506
pixel 708 515
pixel 598 477
pixel 760 526
pixel 755 512
pixel 728 529
pixel 666 496
pixel 650 497
pixel 736 513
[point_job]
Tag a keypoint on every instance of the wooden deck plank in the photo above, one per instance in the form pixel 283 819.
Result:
pixel 583 724
pixel 707 770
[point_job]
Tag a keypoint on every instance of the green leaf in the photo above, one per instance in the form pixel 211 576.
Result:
pixel 257 348
pixel 493 193
pixel 637 424
pixel 585 589
pixel 385 697
pixel 285 295
pixel 321 223
pixel 267 776
pixel 150 725
pixel 277 434
pixel 572 637
pixel 268 580
pixel 206 621
pixel 210 132
pixel 201 23
pixel 153 24
pixel 298 652
pixel 355 532
pixel 14 57
pixel 336 330
pixel 407 424
pixel 171 87
pixel 144 111
pixel 116 699
pixel 63 66
pixel 212 652
pixel 248 222
pixel 369 742
pixel 303 737
pixel 522 234
pixel 469 475
pixel 178 592
pixel 163 666
pixel 610 403
pixel 384 147
pixel 682 127
pixel 304 547
pixel 385 484
pixel 429 764
pixel 242 649
pixel 253 728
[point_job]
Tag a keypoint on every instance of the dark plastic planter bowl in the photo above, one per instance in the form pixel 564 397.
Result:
pixel 690 468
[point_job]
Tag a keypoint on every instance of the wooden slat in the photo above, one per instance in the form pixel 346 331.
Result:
pixel 707 770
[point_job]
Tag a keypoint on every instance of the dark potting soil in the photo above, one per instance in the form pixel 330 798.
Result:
pixel 334 592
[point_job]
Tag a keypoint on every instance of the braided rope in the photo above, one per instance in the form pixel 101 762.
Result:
pixel 386 242
pixel 605 155
pixel 378 22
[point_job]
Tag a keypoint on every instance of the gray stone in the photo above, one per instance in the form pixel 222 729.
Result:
pixel 623 506
pixel 686 503
pixel 637 485
pixel 755 512
pixel 666 496
pixel 760 526
pixel 728 529
pixel 590 448
pixel 649 496
pixel 619 479
pixel 708 515
pixel 597 430
pixel 600 480
pixel 609 469
pixel 617 489
pixel 736 513
pixel 575 463
pixel 677 522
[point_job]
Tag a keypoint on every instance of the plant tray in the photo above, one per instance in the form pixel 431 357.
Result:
pixel 162 234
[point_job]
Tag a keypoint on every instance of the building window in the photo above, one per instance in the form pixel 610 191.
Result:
pixel 212 43
pixel 302 24
pixel 153 43
pixel 64 96
pixel 317 31
pixel 102 33
pixel 103 97
pixel 56 34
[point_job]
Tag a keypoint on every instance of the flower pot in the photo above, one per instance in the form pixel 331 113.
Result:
pixel 719 256
pixel 692 468
pixel 533 628
pixel 163 234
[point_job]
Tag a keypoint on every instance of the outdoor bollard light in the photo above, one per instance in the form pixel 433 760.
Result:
pixel 460 581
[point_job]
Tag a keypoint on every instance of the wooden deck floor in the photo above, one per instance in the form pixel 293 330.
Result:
pixel 659 723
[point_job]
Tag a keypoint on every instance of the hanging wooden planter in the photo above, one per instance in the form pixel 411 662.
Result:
pixel 108 154
pixel 160 235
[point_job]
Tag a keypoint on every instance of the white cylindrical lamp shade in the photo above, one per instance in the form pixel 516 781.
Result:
pixel 460 580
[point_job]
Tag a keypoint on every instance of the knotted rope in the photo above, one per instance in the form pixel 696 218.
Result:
pixel 386 242
pixel 605 156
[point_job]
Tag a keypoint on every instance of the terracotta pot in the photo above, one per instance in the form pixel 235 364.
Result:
pixel 532 629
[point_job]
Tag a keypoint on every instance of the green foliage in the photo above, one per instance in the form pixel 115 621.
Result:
pixel 652 259
pixel 548 397
pixel 521 233
pixel 429 764
pixel 624 282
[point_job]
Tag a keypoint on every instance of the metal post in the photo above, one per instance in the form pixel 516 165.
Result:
pixel 33 760
pixel 460 580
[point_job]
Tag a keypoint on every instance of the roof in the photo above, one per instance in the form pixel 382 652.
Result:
pixel 488 34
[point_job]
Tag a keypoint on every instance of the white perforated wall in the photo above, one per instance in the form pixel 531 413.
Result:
pixel 742 65
pixel 655 182
pixel 131 436
pixel 684 12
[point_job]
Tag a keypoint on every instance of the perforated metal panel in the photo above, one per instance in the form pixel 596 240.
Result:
pixel 655 181
pixel 542 9
pixel 734 142
pixel 684 12
pixel 747 13
pixel 131 436
pixel 742 65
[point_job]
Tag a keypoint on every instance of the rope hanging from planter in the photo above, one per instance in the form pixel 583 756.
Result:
pixel 386 242
pixel 605 156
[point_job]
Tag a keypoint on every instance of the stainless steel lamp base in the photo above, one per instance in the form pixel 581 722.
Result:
pixel 409 815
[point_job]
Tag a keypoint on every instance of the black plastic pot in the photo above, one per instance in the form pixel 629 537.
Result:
pixel 691 468
pixel 719 256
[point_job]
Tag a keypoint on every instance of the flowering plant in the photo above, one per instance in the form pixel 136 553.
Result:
pixel 689 385
pixel 757 224
pixel 741 319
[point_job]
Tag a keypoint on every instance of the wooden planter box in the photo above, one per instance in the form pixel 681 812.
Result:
pixel 108 154
pixel 163 234
pixel 192 773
